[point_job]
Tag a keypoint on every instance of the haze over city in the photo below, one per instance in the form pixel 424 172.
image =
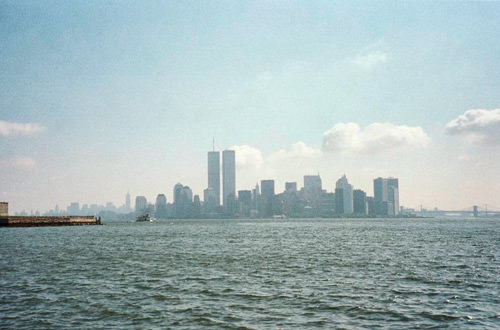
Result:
pixel 101 98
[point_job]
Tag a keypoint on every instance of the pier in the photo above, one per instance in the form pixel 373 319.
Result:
pixel 7 220
pixel 29 221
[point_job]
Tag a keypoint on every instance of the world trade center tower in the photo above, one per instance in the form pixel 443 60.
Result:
pixel 214 175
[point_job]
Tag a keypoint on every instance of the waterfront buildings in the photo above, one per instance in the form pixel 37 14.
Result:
pixel 266 197
pixel 127 202
pixel 244 203
pixel 210 203
pixel 343 196
pixel 183 201
pixel 290 187
pixel 177 192
pixel 228 180
pixel 312 183
pixel 386 196
pixel 141 204
pixel 263 201
pixel 312 192
pixel 161 207
pixel 360 204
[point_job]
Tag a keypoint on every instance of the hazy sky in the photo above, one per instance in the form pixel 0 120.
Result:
pixel 101 97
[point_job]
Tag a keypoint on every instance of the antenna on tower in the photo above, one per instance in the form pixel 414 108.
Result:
pixel 213 144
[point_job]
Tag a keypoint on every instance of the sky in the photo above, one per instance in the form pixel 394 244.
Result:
pixel 98 98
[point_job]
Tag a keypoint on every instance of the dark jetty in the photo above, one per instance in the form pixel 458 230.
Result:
pixel 30 221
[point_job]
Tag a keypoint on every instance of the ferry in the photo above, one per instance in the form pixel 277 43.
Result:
pixel 144 218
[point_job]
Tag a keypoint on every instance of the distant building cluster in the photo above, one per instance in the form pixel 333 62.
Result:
pixel 263 201
pixel 260 202
pixel 74 208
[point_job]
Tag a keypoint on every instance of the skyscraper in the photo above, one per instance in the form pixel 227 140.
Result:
pixel 161 206
pixel 183 201
pixel 312 191
pixel 266 197
pixel 359 202
pixel 245 202
pixel 141 204
pixel 177 192
pixel 386 196
pixel 343 196
pixel 312 183
pixel 228 180
pixel 267 188
pixel 127 202
pixel 214 175
pixel 290 187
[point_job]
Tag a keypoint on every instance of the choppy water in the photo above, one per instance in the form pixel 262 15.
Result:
pixel 255 274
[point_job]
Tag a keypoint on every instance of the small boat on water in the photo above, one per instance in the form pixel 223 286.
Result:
pixel 144 218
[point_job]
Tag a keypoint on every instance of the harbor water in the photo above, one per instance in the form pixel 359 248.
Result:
pixel 253 274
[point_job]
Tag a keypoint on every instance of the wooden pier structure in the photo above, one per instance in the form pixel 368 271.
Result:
pixel 32 221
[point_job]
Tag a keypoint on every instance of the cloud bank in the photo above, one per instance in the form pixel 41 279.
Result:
pixel 247 157
pixel 374 138
pixel 480 126
pixel 9 129
pixel 298 150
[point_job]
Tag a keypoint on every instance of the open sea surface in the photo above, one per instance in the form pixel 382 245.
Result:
pixel 253 274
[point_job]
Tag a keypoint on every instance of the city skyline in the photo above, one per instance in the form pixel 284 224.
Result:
pixel 92 106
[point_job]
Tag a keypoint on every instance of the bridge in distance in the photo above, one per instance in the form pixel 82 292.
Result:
pixel 472 211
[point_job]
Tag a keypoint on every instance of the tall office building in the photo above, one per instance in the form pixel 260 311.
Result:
pixel 359 202
pixel 183 201
pixel 256 198
pixel 214 175
pixel 209 200
pixel 177 192
pixel 312 183
pixel 228 180
pixel 266 197
pixel 244 202
pixel 127 202
pixel 343 196
pixel 386 196
pixel 312 192
pixel 290 187
pixel 267 188
pixel 141 204
pixel 161 206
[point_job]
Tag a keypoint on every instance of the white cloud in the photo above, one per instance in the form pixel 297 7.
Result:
pixel 247 157
pixel 478 125
pixel 299 150
pixel 374 138
pixel 368 61
pixel 9 129
pixel 21 163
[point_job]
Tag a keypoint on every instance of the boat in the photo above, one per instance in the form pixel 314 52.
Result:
pixel 144 218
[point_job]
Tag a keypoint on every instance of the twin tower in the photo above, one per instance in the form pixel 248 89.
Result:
pixel 212 193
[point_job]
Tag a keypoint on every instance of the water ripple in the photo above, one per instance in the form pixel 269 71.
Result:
pixel 234 274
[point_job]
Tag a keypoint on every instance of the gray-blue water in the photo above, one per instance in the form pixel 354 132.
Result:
pixel 253 274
